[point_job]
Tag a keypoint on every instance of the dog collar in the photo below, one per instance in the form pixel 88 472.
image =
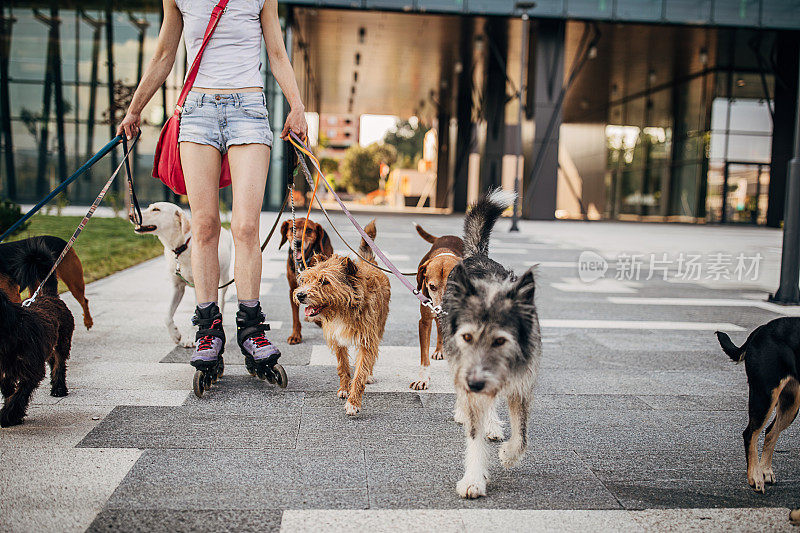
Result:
pixel 445 253
pixel 183 247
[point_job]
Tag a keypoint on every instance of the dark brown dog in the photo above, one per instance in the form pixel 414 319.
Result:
pixel 432 273
pixel 317 248
pixel 70 271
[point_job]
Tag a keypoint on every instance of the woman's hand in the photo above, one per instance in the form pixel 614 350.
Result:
pixel 296 122
pixel 129 125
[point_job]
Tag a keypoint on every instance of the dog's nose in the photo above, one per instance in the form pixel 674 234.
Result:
pixel 476 385
pixel 301 296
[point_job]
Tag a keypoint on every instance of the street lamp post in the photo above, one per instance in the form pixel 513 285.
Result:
pixel 788 292
pixel 525 7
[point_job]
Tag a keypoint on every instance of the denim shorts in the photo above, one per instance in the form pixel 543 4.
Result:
pixel 223 120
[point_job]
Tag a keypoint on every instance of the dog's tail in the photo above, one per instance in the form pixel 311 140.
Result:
pixel 736 353
pixel 481 218
pixel 364 250
pixel 32 264
pixel 424 234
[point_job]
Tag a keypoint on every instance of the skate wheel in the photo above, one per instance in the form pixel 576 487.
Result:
pixel 197 383
pixel 250 365
pixel 220 368
pixel 271 376
pixel 280 376
pixel 262 375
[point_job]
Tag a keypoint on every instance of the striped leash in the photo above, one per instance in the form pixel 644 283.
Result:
pixel 83 223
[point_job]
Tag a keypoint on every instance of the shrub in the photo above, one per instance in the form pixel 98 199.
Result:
pixel 9 214
pixel 360 168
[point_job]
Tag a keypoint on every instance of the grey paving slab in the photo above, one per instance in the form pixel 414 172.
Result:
pixel 332 428
pixel 700 494
pixel 203 519
pixel 247 478
pixel 187 427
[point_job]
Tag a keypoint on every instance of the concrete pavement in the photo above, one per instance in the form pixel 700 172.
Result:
pixel 637 422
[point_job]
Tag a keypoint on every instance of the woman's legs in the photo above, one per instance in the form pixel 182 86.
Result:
pixel 249 164
pixel 201 163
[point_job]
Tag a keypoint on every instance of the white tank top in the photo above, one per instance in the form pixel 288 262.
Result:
pixel 232 59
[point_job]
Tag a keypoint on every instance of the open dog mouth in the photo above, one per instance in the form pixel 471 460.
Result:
pixel 144 229
pixel 312 310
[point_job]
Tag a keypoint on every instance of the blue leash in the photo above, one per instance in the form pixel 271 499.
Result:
pixel 86 166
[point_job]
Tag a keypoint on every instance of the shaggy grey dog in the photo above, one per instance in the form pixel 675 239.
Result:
pixel 493 345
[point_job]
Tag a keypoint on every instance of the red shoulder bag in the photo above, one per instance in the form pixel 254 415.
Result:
pixel 167 160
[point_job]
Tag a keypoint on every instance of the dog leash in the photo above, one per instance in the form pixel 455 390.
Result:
pixel 336 230
pixel 263 246
pixel 300 149
pixel 64 184
pixel 82 224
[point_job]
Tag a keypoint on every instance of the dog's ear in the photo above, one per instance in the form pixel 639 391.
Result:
pixel 323 241
pixel 284 237
pixel 421 276
pixel 458 283
pixel 524 288
pixel 350 271
pixel 186 224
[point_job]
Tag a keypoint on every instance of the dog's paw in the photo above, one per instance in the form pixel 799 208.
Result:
pixel 342 393
pixel 460 416
pixel 59 390
pixel 756 481
pixel 471 488
pixel 295 338
pixel 371 379
pixel 769 476
pixel 7 420
pixel 420 384
pixel 438 355
pixel 88 322
pixel 351 409
pixel 510 454
pixel 189 343
pixel 494 430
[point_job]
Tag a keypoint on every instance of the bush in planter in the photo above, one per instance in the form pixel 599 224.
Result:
pixel 10 212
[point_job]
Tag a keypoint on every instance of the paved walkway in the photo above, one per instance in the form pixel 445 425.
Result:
pixel 637 422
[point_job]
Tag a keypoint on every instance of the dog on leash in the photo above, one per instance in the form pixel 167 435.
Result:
pixel 173 228
pixel 351 299
pixel 70 271
pixel 771 356
pixel 317 247
pixel 492 342
pixel 31 337
pixel 432 273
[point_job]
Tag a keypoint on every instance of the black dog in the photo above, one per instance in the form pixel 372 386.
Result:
pixel 771 358
pixel 30 337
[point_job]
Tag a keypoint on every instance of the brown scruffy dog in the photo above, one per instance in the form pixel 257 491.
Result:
pixel 432 273
pixel 351 298
pixel 317 247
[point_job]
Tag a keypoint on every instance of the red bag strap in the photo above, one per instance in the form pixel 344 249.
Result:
pixel 216 13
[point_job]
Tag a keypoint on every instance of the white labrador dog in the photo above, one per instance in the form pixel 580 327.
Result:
pixel 173 228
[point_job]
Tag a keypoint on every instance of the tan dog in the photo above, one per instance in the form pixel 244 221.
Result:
pixel 432 273
pixel 317 247
pixel 352 301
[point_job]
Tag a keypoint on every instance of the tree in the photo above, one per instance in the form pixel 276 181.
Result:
pixel 360 168
pixel 408 140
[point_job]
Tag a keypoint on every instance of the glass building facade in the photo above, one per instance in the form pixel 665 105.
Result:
pixel 686 121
